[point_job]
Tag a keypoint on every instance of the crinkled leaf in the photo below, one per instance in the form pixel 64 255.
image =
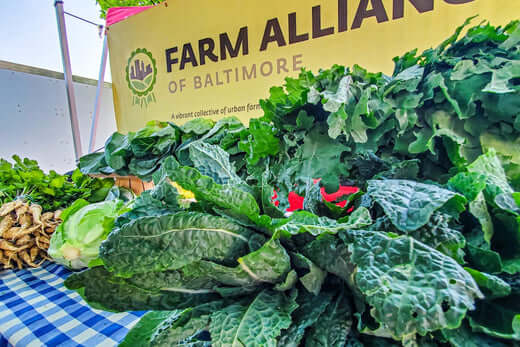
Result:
pixel 102 290
pixel 469 184
pixel 508 202
pixel 409 204
pixel 261 141
pixel 496 181
pixel 141 334
pixel 198 126
pixel 333 326
pixel 213 161
pixel 267 264
pixel 331 254
pixel 492 286
pixel 411 287
pixel 228 198
pixel 257 323
pixel 311 307
pixel 439 235
pixel 166 242
pixel 306 222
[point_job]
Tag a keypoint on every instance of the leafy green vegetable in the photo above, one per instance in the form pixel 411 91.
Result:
pixel 333 326
pixel 148 326
pixel 411 287
pixel 408 204
pixel 161 243
pixel 256 323
pixel 498 318
pixel 76 241
pixel 429 255
pixel 138 153
pixel 310 309
pixel 25 180
pixel 492 286
pixel 102 290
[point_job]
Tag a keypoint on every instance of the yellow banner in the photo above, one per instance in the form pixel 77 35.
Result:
pixel 189 59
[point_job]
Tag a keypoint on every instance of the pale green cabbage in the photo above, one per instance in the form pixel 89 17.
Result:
pixel 76 241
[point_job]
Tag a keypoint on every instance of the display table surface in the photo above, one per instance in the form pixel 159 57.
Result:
pixel 37 310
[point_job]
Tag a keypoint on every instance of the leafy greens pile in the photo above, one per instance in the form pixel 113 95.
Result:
pixel 141 153
pixel 24 180
pixel 427 253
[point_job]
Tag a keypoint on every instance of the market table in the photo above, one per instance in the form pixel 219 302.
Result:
pixel 37 310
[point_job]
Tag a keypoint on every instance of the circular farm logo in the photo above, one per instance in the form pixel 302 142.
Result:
pixel 141 73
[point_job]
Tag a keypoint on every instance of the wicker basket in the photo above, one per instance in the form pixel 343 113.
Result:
pixel 133 183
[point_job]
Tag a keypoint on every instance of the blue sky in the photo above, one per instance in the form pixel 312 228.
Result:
pixel 29 35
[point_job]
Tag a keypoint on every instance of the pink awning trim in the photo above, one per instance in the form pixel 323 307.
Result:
pixel 118 14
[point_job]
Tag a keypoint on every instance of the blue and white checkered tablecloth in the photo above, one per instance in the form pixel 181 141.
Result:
pixel 37 310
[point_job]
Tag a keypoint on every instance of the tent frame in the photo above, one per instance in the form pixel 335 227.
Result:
pixel 71 98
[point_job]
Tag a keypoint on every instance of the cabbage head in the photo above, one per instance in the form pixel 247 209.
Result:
pixel 76 241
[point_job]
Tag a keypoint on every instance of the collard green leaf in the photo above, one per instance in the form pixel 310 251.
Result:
pixel 168 242
pixel 267 264
pixel 228 198
pixel 492 286
pixel 411 287
pixel 439 235
pixel 117 151
pixel 261 141
pixel 331 254
pixel 310 309
pixel 288 283
pixel 156 138
pixel 496 181
pixel 92 163
pixel 464 337
pixel 498 318
pixel 333 326
pixel 213 161
pixel 319 157
pixel 479 209
pixel 304 222
pixel 469 184
pixel 102 290
pixel 141 334
pixel 198 126
pixel 508 202
pixel 256 323
pixel 314 278
pixel 409 204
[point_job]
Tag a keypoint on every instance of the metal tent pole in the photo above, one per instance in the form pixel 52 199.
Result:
pixel 99 90
pixel 58 4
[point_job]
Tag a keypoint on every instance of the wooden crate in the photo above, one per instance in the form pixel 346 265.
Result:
pixel 133 183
